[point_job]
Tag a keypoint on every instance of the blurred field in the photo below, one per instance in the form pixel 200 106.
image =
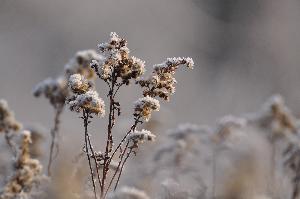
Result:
pixel 244 52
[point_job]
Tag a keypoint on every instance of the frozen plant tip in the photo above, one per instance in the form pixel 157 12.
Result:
pixel 78 84
pixel 89 101
pixel 141 136
pixel 144 107
pixel 80 63
pixel 162 82
pixel 84 97
pixel 117 63
pixel 53 89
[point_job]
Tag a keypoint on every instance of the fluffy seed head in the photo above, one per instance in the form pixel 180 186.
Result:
pixel 141 136
pixel 89 101
pixel 144 107
pixel 79 84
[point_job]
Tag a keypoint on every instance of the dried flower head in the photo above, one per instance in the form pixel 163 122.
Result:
pixel 7 119
pixel 80 63
pixel 89 101
pixel 128 193
pixel 84 98
pixel 79 84
pixel 144 107
pixel 141 136
pixel 162 82
pixel 117 63
pixel 26 174
pixel 53 89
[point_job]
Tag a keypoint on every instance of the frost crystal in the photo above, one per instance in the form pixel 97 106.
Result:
pixel 144 107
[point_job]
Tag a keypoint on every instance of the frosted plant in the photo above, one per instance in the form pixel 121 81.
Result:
pixel 128 193
pixel 141 136
pixel 56 90
pixel 79 84
pixel 84 98
pixel 162 82
pixel 276 116
pixel 27 172
pixel 116 67
pixel 53 89
pixel 80 63
pixel 143 107
pixel 8 123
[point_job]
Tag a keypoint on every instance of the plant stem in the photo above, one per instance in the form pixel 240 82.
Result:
pixel 86 122
pixel 118 168
pixel 128 154
pixel 109 141
pixel 54 132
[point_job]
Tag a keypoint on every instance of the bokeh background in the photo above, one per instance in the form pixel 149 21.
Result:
pixel 244 51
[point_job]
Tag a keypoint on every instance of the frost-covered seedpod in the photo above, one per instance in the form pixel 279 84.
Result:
pixel 116 62
pixel 89 101
pixel 79 84
pixel 141 136
pixel 143 107
pixel 162 82
pixel 80 63
pixel 56 90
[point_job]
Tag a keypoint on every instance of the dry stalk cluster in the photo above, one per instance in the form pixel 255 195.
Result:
pixel 117 68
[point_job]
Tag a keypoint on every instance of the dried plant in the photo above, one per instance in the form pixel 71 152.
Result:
pixel 27 172
pixel 8 124
pixel 117 68
pixel 252 156
pixel 56 91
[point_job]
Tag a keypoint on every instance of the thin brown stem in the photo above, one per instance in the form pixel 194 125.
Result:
pixel 109 141
pixel 95 159
pixel 124 138
pixel 10 143
pixel 121 170
pixel 118 168
pixel 86 122
pixel 54 133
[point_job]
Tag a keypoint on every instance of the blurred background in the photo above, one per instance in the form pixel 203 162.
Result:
pixel 244 51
